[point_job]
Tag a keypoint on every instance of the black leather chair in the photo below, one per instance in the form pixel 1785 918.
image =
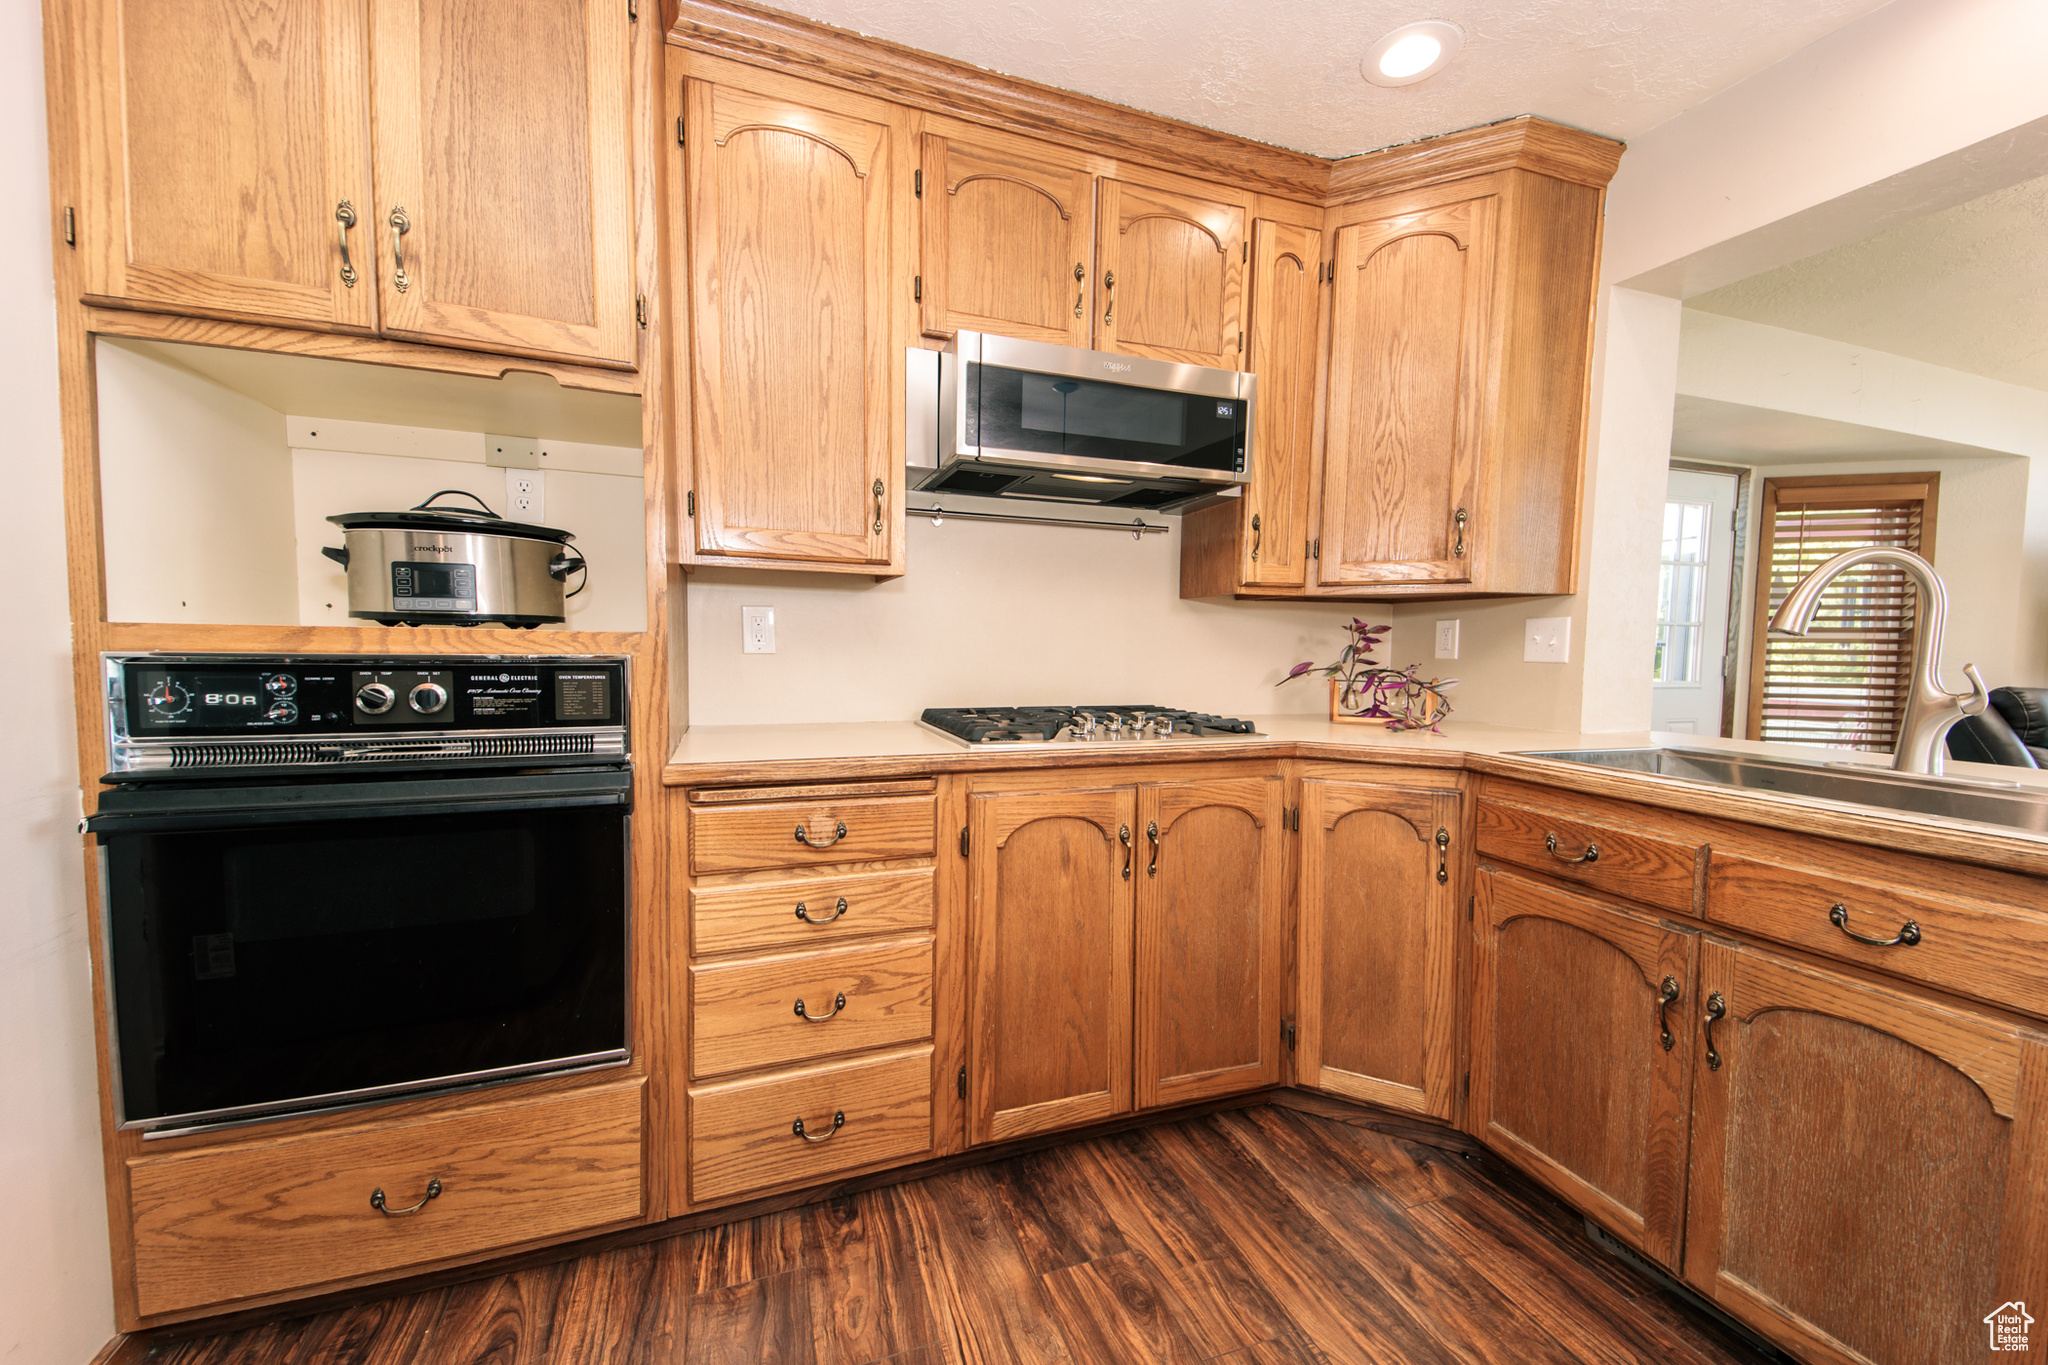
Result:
pixel 2013 731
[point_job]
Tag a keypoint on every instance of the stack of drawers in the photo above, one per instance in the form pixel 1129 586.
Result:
pixel 811 967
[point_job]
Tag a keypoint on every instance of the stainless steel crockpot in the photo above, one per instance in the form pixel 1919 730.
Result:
pixel 451 566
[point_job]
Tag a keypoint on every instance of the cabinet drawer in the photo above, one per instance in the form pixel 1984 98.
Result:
pixel 1972 947
pixel 1577 841
pixel 218 1225
pixel 764 915
pixel 743 1138
pixel 747 838
pixel 743 1014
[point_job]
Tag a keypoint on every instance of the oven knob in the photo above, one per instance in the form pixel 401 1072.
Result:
pixel 283 712
pixel 427 698
pixel 374 699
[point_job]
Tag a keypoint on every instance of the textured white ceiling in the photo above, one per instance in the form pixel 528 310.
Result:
pixel 1287 71
pixel 1735 433
pixel 1966 288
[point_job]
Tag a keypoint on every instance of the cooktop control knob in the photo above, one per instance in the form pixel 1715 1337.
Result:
pixel 282 711
pixel 427 698
pixel 281 685
pixel 374 699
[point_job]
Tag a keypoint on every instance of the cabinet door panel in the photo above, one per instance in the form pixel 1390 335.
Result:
pixel 1570 1078
pixel 1869 1176
pixel 1049 1031
pixel 221 139
pixel 1286 300
pixel 1212 906
pixel 1172 267
pixel 1008 232
pixel 501 136
pixel 1379 944
pixel 1408 327
pixel 792 250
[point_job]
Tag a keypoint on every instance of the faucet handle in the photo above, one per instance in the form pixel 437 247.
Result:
pixel 1979 696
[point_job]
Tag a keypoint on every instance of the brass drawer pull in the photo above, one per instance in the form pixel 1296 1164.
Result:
pixel 1591 855
pixel 838 1122
pixel 345 218
pixel 1123 832
pixel 1258 534
pixel 1666 998
pixel 1080 292
pixel 1717 1008
pixel 1443 856
pixel 878 490
pixel 803 913
pixel 400 225
pixel 1908 935
pixel 1152 833
pixel 1109 291
pixel 1458 550
pixel 808 842
pixel 838 1004
pixel 378 1203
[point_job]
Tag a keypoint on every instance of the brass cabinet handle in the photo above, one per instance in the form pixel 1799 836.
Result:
pixel 878 490
pixel 1716 1009
pixel 1123 832
pixel 378 1203
pixel 1908 935
pixel 1443 856
pixel 1152 833
pixel 1257 535
pixel 1666 998
pixel 400 225
pixel 803 912
pixel 1109 290
pixel 1458 550
pixel 1080 290
pixel 838 1122
pixel 345 218
pixel 1591 855
pixel 838 1004
pixel 808 842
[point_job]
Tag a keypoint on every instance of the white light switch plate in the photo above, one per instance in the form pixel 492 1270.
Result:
pixel 757 630
pixel 1447 639
pixel 1547 639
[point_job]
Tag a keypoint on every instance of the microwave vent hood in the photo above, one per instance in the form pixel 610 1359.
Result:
pixel 997 417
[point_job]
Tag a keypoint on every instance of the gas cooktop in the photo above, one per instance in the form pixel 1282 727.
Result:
pixel 1080 725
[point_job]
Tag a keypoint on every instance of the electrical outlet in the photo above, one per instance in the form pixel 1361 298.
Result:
pixel 526 495
pixel 757 630
pixel 1447 639
pixel 1547 639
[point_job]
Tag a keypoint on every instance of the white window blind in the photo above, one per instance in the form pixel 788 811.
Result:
pixel 1844 684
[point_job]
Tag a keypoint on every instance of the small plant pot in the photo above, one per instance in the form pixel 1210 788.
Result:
pixel 1342 717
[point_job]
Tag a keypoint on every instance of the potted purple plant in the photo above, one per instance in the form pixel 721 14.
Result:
pixel 1364 692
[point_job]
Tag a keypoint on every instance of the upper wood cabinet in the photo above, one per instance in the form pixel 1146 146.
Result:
pixel 504 175
pixel 1379 934
pixel 1009 236
pixel 232 165
pixel 1287 267
pixel 797 200
pixel 1172 264
pixel 225 155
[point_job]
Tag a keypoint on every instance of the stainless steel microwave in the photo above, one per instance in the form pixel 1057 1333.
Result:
pixel 999 417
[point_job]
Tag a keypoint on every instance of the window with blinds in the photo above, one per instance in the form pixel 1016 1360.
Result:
pixel 1843 685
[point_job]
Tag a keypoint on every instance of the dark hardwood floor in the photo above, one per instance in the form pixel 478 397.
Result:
pixel 1262 1236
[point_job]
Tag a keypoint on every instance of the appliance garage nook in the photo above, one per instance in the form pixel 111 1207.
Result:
pixel 429 936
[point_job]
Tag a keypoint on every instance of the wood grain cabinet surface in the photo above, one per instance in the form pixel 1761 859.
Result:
pixel 1600 845
pixel 827 830
pixel 1172 260
pixel 794 1007
pixel 455 173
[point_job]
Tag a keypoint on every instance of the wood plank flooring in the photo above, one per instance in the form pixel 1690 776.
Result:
pixel 1261 1236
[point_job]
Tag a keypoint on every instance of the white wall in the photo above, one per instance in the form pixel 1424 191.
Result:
pixel 56 1294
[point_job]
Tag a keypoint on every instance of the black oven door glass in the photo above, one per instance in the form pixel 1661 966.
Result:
pixel 265 966
pixel 1043 414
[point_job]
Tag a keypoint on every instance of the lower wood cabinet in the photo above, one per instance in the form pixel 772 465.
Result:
pixel 216 1225
pixel 1581 1071
pixel 1380 912
pixel 1869 1167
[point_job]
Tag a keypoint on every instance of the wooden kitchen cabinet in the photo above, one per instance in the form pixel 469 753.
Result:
pixel 800 297
pixel 1287 269
pixel 1581 1070
pixel 1211 938
pixel 1049 959
pixel 1869 1167
pixel 1379 925
pixel 1171 258
pixel 231 164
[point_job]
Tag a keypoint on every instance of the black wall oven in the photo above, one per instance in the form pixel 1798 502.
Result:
pixel 329 881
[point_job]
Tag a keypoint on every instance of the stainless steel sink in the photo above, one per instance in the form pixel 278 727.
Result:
pixel 2002 805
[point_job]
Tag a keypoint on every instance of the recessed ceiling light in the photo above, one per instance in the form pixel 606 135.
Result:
pixel 1413 52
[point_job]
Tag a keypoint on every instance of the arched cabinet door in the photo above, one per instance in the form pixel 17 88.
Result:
pixel 1869 1168
pixel 1407 396
pixel 798 223
pixel 1571 1077
pixel 1009 229
pixel 1287 270
pixel 1378 970
pixel 1212 925
pixel 1049 959
pixel 1171 274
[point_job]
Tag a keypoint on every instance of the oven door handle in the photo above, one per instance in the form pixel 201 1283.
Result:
pixel 158 808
